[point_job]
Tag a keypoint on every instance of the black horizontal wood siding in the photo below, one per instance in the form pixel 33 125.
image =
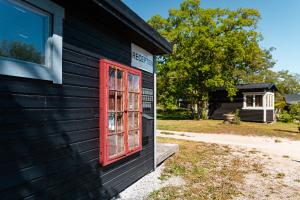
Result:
pixel 49 134
pixel 270 115
pixel 252 115
pixel 220 104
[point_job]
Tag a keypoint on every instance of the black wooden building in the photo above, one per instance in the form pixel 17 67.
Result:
pixel 51 57
pixel 255 102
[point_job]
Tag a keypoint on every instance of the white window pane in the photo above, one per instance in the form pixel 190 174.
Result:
pixel 111 122
pixel 24 32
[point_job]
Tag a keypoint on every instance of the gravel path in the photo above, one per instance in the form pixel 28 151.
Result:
pixel 270 145
pixel 143 187
pixel 277 161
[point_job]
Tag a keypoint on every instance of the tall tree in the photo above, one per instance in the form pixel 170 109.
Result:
pixel 211 48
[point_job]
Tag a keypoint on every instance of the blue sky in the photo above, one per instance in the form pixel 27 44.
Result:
pixel 280 23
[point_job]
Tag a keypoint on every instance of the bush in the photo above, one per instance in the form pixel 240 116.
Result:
pixel 237 118
pixel 285 117
pixel 295 111
pixel 174 113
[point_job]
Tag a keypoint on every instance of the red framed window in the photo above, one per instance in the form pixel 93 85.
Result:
pixel 120 118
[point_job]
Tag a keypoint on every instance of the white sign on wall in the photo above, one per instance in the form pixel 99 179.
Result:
pixel 140 58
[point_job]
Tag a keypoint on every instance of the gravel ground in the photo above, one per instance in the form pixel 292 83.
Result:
pixel 143 187
pixel 270 145
pixel 277 163
pixel 278 178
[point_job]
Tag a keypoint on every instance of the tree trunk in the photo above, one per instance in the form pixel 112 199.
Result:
pixel 202 110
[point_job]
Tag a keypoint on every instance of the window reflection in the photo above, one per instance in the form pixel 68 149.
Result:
pixel 24 32
pixel 249 101
pixel 258 100
pixel 112 73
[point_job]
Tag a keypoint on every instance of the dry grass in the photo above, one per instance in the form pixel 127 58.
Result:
pixel 245 128
pixel 209 170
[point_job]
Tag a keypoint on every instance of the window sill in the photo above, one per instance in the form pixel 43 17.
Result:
pixel 17 68
pixel 253 108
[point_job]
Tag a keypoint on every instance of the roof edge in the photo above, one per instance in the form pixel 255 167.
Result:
pixel 135 22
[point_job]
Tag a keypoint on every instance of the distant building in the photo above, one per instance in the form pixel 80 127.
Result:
pixel 292 99
pixel 255 102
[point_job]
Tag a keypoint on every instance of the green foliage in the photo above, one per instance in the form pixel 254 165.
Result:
pixel 284 116
pixel 237 118
pixel 20 50
pixel 286 82
pixel 174 113
pixel 280 104
pixel 295 111
pixel 212 48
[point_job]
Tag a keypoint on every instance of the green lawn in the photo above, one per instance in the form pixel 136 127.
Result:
pixel 288 130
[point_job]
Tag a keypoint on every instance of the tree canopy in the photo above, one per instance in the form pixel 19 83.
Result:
pixel 212 48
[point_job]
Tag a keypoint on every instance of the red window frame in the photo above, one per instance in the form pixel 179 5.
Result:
pixel 104 112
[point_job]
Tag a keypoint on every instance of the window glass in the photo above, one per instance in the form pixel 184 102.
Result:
pixel 136 138
pixel 111 122
pixel 249 101
pixel 111 101
pixel 112 75
pixel 136 83
pixel 120 122
pixel 258 100
pixel 120 101
pixel 136 120
pixel 131 120
pixel 24 32
pixel 130 82
pixel 130 101
pixel 112 145
pixel 120 143
pixel 136 101
pixel 120 80
pixel 131 139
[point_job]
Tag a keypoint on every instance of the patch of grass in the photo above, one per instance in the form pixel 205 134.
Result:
pixel 167 133
pixel 285 156
pixel 280 175
pixel 277 141
pixel 280 130
pixel 253 151
pixel 175 113
pixel 209 170
pixel 257 167
pixel 297 180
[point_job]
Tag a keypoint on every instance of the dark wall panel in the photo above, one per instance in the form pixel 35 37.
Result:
pixel 270 115
pixel 49 134
pixel 252 115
